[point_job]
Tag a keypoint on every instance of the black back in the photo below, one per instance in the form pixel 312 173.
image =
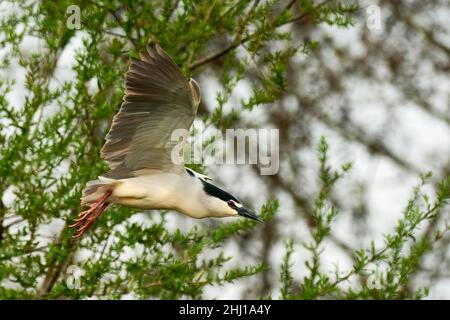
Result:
pixel 212 190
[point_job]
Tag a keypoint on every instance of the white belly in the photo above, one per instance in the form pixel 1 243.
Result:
pixel 162 191
pixel 147 192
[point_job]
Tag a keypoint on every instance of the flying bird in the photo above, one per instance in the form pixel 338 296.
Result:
pixel 158 100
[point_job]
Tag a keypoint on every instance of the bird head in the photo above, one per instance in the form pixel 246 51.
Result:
pixel 225 204
pixel 242 211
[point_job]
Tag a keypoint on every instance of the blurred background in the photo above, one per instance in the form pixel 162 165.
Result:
pixel 377 87
pixel 381 97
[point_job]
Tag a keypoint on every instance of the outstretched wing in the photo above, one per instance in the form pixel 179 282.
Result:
pixel 158 100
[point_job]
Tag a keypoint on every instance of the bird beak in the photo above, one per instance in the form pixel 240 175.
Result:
pixel 248 214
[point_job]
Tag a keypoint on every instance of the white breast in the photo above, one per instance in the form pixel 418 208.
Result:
pixel 168 191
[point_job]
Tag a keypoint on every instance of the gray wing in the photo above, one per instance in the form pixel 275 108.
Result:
pixel 158 99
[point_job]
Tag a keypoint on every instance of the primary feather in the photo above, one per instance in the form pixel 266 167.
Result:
pixel 158 99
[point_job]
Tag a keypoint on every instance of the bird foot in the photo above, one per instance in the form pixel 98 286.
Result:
pixel 87 218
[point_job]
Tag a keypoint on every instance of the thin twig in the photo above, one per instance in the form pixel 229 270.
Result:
pixel 239 41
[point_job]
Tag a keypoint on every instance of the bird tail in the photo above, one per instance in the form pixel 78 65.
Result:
pixel 95 189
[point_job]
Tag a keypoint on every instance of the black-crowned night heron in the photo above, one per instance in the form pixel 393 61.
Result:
pixel 158 100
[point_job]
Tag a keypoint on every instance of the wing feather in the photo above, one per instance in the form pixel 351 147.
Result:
pixel 158 100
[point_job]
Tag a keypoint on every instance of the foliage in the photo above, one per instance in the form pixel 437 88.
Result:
pixel 385 268
pixel 51 134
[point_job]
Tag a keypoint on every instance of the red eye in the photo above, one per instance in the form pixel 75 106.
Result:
pixel 231 203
